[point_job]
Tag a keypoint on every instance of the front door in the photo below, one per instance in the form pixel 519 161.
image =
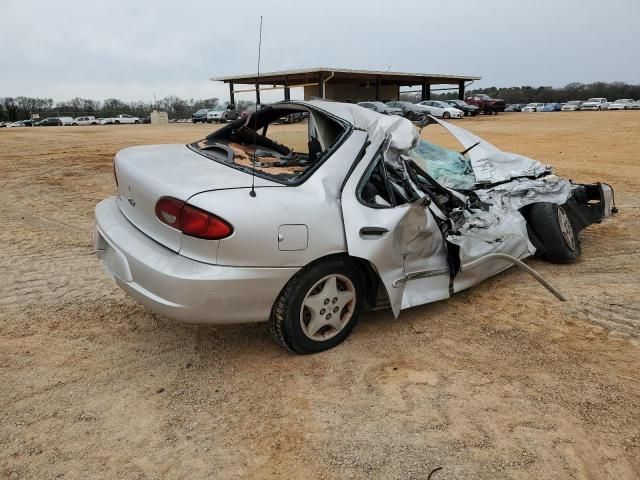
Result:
pixel 397 235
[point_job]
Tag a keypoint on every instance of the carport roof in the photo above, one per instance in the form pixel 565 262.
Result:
pixel 293 77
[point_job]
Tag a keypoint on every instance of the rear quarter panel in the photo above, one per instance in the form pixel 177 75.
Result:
pixel 257 220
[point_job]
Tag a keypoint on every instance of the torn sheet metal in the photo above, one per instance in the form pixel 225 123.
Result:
pixel 492 165
pixel 521 192
pixel 497 230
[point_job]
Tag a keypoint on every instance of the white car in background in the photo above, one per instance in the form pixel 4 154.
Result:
pixel 82 121
pixel 597 103
pixel 120 119
pixel 572 106
pixel 441 109
pixel 533 107
pixel 222 113
pixel 622 104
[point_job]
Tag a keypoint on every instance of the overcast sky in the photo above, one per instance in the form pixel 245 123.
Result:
pixel 133 49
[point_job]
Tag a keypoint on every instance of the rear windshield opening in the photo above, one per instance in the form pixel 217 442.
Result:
pixel 284 143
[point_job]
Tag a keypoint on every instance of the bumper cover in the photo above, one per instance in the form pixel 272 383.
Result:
pixel 172 285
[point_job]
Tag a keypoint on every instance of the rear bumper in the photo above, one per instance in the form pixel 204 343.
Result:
pixel 178 287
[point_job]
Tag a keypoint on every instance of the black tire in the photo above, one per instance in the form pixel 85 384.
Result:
pixel 137 121
pixel 411 116
pixel 446 115
pixel 117 122
pixel 546 221
pixel 285 320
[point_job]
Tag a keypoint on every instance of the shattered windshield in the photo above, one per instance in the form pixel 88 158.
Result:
pixel 447 167
pixel 264 143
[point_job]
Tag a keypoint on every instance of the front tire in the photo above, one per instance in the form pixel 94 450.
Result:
pixel 319 306
pixel 553 227
pixel 446 115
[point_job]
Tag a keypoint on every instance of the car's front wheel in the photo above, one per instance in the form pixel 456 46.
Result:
pixel 553 227
pixel 446 115
pixel 319 306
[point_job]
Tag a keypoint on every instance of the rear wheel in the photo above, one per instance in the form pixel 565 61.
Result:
pixel 117 122
pixel 319 306
pixel 553 227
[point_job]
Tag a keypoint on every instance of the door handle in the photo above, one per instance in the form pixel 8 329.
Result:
pixel 373 231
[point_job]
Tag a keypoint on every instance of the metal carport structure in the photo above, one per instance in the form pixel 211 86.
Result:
pixel 344 84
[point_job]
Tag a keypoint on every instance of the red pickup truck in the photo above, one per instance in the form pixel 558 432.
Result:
pixel 486 104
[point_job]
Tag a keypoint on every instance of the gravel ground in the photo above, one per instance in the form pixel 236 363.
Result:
pixel 501 381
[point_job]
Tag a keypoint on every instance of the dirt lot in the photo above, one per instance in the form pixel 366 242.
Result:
pixel 501 381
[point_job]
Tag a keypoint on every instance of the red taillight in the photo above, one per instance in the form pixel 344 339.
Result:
pixel 201 224
pixel 169 210
pixel 191 220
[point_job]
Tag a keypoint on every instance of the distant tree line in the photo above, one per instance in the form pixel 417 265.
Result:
pixel 526 94
pixel 21 108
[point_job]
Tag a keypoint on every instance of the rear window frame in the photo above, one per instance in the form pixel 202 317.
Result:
pixel 304 176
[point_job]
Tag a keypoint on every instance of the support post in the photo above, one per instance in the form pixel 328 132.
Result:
pixel 257 94
pixel 426 90
pixel 320 85
pixel 378 89
pixel 287 91
pixel 232 98
pixel 461 90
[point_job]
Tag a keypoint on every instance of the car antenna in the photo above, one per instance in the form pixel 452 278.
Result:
pixel 255 119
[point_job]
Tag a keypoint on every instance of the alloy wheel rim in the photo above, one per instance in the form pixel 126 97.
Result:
pixel 566 228
pixel 327 307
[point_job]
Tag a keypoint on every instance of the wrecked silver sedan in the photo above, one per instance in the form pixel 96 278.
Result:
pixel 362 214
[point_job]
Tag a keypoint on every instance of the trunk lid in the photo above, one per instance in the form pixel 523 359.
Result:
pixel 147 173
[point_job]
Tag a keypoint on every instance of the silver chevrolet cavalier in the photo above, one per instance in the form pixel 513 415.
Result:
pixel 249 225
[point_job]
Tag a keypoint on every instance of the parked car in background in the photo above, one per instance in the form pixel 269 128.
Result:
pixel 468 110
pixel 19 123
pixel 307 238
pixel 622 104
pixel 145 120
pixel 49 122
pixel 123 118
pixel 410 111
pixel 200 115
pixel 572 106
pixel 486 104
pixel 381 108
pixel 532 107
pixel 515 107
pixel 222 113
pixel 441 109
pixel 551 107
pixel 597 103
pixel 88 120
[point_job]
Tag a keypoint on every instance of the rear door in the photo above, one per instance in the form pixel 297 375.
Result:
pixel 401 241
